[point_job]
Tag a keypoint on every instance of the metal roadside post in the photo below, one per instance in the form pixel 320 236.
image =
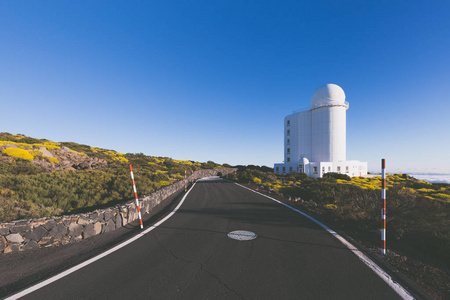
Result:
pixel 135 195
pixel 383 198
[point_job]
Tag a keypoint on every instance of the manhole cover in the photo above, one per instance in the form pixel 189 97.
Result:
pixel 242 235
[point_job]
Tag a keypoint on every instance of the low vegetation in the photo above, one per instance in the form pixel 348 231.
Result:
pixel 27 190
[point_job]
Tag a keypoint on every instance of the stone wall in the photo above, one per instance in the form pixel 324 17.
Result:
pixel 23 235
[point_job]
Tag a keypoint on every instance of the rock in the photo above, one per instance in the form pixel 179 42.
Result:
pixel 110 226
pixel 37 234
pixel 65 149
pixel 75 239
pixel 4 231
pixel 2 243
pixel 65 240
pixel 58 231
pixel 10 146
pixel 93 216
pixel 45 152
pixel 49 225
pixel 20 228
pixel 12 248
pixel 108 215
pixel 123 215
pixel 46 240
pixel 84 166
pixel 30 245
pixel 14 238
pixel 88 231
pixel 100 217
pixel 118 221
pixel 75 229
pixel 97 228
pixel 83 221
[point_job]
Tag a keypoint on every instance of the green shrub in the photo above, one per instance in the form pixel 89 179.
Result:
pixel 337 176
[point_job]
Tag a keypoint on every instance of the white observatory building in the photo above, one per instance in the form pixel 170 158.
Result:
pixel 315 138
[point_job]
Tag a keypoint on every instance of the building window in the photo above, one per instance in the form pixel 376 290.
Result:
pixel 290 169
pixel 346 169
pixel 288 159
pixel 288 122
pixel 323 170
pixel 284 169
pixel 288 150
pixel 278 169
pixel 301 168
pixel 288 132
pixel 288 141
pixel 329 169
pixel 315 170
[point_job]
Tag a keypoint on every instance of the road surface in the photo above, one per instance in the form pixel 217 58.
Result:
pixel 190 256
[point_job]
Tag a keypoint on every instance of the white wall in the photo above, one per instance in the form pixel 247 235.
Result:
pixel 328 134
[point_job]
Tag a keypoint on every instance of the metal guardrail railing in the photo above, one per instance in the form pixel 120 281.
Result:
pixel 323 104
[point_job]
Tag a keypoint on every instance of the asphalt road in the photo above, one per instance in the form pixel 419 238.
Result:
pixel 190 256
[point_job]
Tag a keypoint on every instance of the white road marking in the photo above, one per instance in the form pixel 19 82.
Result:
pixel 90 261
pixel 380 272
pixel 242 235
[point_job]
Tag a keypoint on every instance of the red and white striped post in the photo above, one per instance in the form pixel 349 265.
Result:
pixel 383 198
pixel 135 194
pixel 185 180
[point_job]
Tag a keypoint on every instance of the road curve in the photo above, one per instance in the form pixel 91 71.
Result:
pixel 190 256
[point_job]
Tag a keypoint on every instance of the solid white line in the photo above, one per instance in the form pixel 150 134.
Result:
pixel 90 261
pixel 380 272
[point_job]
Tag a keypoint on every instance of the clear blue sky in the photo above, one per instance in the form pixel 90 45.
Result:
pixel 213 80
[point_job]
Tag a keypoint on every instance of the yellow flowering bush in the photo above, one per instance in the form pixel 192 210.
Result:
pixel 161 172
pixel 121 159
pixel 53 160
pixel 49 146
pixel 184 162
pixel 18 153
pixel 330 206
pixel 257 180
pixel 443 196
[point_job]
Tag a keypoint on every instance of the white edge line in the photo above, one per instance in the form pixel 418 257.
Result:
pixel 379 271
pixel 95 258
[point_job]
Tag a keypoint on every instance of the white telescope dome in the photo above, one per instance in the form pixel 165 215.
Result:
pixel 304 161
pixel 328 94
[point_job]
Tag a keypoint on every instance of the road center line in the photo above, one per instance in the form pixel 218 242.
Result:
pixel 95 258
pixel 371 264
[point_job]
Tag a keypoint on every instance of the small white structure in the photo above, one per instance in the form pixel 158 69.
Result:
pixel 315 138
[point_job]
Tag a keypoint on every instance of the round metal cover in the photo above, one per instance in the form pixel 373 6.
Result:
pixel 242 235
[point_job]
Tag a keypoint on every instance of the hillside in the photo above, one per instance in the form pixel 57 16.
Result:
pixel 40 178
